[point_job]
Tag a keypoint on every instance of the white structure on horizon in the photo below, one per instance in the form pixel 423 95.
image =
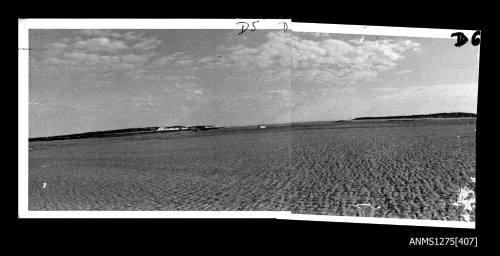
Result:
pixel 172 128
pixel 260 126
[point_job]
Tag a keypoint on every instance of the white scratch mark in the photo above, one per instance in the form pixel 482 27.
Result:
pixel 466 202
pixel 366 212
pixel 369 205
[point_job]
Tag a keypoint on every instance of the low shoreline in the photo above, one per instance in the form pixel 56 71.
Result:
pixel 298 125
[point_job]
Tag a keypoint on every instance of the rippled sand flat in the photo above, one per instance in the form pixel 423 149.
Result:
pixel 411 169
pixel 188 171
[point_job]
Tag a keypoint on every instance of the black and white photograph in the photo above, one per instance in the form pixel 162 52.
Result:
pixel 160 119
pixel 251 118
pixel 384 126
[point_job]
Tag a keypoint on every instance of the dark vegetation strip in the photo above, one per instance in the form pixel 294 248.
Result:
pixel 112 133
pixel 294 126
pixel 437 115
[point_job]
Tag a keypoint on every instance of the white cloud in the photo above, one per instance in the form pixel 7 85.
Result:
pixel 95 51
pixel 170 59
pixel 85 62
pixel 404 72
pixel 147 44
pixel 321 60
pixel 57 46
pixel 134 58
pixel 346 61
pixel 197 92
pixel 274 52
pixel 131 36
pixel 100 44
pixel 184 62
pixel 164 60
pixel 134 38
pixel 98 32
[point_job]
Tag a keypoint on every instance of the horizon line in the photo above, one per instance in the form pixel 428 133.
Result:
pixel 236 126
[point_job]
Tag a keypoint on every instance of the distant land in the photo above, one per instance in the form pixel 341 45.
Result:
pixel 124 132
pixel 437 115
pixel 155 129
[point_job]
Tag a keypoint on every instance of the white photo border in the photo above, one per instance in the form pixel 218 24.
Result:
pixel 24 25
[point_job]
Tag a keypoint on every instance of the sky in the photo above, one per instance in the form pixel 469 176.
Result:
pixel 91 80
